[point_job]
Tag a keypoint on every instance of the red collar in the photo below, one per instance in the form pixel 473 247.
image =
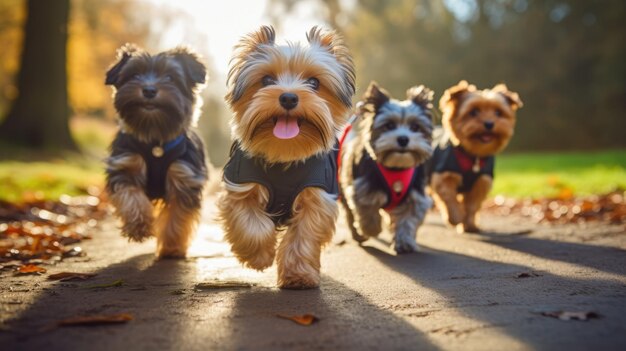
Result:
pixel 466 161
pixel 398 181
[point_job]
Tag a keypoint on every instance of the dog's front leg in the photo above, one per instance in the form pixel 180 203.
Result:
pixel 444 186
pixel 312 225
pixel 473 201
pixel 181 212
pixel 406 220
pixel 247 226
pixel 126 177
pixel 367 204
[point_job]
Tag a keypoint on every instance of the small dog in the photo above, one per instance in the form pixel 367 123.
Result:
pixel 156 155
pixel 289 103
pixel 381 166
pixel 477 124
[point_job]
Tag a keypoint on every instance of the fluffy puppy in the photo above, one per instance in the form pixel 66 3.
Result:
pixel 289 102
pixel 157 164
pixel 381 166
pixel 477 124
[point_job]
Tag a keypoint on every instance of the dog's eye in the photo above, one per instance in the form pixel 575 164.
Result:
pixel 498 112
pixel 268 80
pixel 137 76
pixel 167 78
pixel 415 127
pixel 313 82
pixel 474 112
pixel 390 126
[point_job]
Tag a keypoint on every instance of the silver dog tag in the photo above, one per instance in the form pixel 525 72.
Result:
pixel 398 186
pixel 476 166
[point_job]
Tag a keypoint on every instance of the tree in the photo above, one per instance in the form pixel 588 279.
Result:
pixel 39 116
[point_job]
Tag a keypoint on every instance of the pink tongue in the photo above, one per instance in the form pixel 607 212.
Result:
pixel 286 127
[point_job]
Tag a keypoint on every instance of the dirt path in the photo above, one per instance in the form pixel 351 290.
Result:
pixel 459 292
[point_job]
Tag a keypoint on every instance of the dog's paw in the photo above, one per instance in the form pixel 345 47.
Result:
pixel 405 244
pixel 467 228
pixel 299 282
pixel 137 231
pixel 171 253
pixel 259 262
pixel 358 237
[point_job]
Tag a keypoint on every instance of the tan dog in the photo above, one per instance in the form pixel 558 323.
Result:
pixel 289 102
pixel 477 125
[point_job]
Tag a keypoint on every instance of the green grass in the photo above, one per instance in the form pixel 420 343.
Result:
pixel 22 181
pixel 554 174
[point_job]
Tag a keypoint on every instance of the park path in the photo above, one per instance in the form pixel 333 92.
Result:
pixel 472 292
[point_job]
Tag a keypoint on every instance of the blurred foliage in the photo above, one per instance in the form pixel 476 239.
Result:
pixel 566 58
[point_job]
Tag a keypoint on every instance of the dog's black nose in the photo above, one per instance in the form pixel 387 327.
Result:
pixel 149 92
pixel 403 140
pixel 288 100
pixel 489 125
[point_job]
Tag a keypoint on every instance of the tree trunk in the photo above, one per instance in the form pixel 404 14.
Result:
pixel 39 116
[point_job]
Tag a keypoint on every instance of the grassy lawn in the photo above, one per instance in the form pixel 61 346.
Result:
pixel 29 176
pixel 553 174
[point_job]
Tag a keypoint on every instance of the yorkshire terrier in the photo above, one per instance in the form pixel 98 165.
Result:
pixel 289 102
pixel 157 165
pixel 381 166
pixel 477 124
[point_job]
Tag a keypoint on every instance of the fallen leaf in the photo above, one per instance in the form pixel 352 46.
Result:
pixel 96 320
pixel 223 284
pixel 305 319
pixel 30 269
pixel 568 316
pixel 116 283
pixel 527 275
pixel 67 276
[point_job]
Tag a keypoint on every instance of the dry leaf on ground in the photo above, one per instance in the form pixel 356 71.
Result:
pixel 67 276
pixel 568 315
pixel 223 284
pixel 305 319
pixel 116 283
pixel 96 320
pixel 30 269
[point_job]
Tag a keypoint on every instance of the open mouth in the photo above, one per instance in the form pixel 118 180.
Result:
pixel 286 127
pixel 149 107
pixel 485 138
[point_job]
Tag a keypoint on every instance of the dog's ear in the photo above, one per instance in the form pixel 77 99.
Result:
pixel 124 54
pixel 192 64
pixel 332 41
pixel 512 98
pixel 246 47
pixel 374 97
pixel 454 94
pixel 421 96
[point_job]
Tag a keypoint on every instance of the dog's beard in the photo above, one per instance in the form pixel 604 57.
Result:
pixel 153 120
pixel 390 155
pixel 255 127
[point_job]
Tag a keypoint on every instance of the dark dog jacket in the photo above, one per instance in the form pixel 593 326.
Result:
pixel 284 182
pixel 449 158
pixel 182 148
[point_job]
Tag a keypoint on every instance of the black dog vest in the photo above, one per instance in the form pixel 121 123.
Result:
pixel 449 158
pixel 284 182
pixel 157 166
pixel 368 168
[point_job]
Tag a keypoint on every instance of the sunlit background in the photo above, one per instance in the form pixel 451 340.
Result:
pixel 566 59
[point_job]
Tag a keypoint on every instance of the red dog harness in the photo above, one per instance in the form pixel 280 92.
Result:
pixel 397 181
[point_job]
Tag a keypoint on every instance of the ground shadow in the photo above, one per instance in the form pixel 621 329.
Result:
pixel 602 258
pixel 170 314
pixel 491 292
